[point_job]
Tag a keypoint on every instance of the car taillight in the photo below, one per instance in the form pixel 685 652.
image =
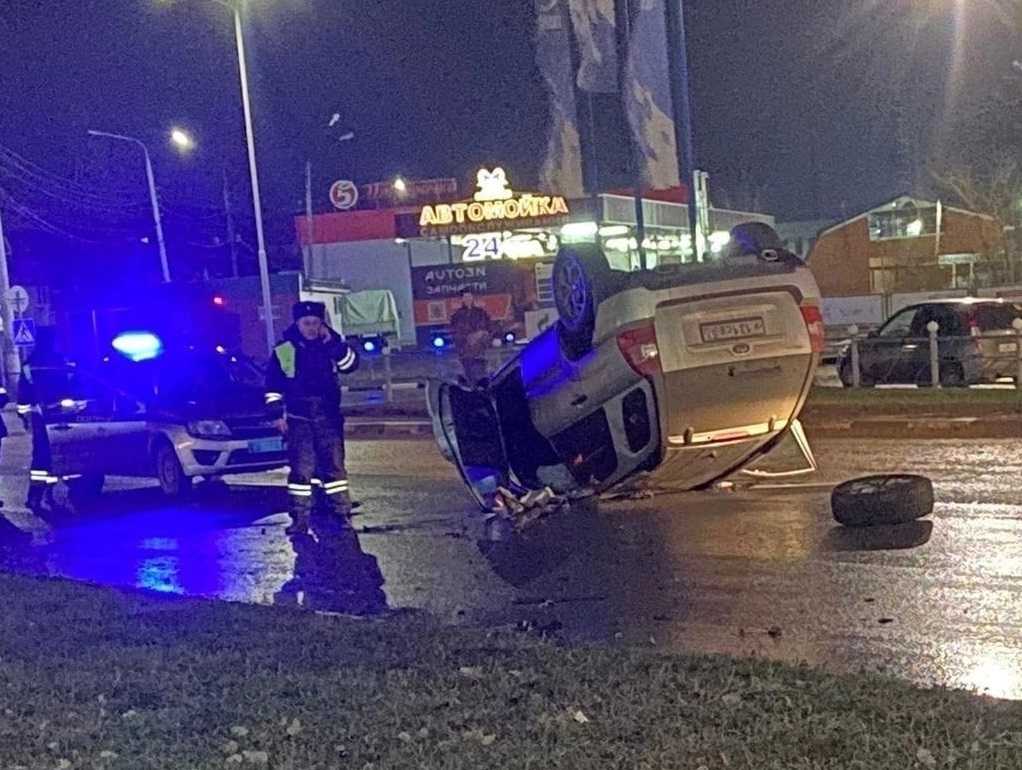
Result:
pixel 639 348
pixel 814 325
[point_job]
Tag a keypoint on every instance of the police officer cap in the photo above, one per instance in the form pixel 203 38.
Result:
pixel 303 309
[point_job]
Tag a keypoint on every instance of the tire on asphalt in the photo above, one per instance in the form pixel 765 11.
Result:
pixel 170 474
pixel 882 499
pixel 581 279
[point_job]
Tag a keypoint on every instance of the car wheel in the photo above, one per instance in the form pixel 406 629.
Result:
pixel 756 238
pixel 952 376
pixel 884 499
pixel 169 472
pixel 580 276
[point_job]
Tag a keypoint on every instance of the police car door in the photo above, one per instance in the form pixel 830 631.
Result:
pixel 97 430
pixel 74 415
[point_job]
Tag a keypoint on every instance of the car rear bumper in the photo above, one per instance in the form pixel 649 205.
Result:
pixel 693 466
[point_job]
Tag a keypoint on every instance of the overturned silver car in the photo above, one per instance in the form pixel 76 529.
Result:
pixel 689 372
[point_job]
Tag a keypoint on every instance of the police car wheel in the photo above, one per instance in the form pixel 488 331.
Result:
pixel 169 472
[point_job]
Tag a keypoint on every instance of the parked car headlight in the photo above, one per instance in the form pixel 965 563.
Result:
pixel 209 429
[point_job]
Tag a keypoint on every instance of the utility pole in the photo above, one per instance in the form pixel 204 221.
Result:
pixel 232 238
pixel 307 251
pixel 12 363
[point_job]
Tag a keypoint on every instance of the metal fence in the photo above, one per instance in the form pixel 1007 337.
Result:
pixel 388 371
pixel 933 361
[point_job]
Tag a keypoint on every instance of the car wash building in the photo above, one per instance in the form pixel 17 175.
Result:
pixel 426 243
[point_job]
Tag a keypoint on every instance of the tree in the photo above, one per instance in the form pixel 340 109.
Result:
pixel 993 187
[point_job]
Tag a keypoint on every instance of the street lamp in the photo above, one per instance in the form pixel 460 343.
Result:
pixel 347 136
pixel 257 209
pixel 152 196
pixel 234 6
pixel 182 139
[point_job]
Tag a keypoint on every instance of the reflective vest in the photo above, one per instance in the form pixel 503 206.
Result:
pixel 286 353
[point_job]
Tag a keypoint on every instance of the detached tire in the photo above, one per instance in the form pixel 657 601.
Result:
pixel 581 279
pixel 877 500
pixel 173 481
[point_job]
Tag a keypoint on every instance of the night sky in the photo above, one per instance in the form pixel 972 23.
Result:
pixel 800 106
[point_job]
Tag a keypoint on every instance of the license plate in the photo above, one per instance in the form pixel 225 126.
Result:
pixel 737 329
pixel 1007 347
pixel 266 445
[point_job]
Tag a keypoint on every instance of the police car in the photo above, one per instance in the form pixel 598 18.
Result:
pixel 171 414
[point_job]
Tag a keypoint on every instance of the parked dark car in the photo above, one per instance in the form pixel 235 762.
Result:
pixel 976 343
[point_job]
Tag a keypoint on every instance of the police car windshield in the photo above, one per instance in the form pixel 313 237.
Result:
pixel 218 373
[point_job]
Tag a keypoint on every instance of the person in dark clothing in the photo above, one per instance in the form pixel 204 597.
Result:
pixel 44 378
pixel 303 395
pixel 472 329
pixel 4 400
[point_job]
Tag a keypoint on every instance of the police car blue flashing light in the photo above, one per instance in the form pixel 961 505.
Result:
pixel 439 342
pixel 138 346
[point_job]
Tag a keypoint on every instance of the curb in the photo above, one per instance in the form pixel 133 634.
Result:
pixel 958 427
pixel 377 429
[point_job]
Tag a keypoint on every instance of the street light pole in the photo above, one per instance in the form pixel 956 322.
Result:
pixel 264 269
pixel 153 199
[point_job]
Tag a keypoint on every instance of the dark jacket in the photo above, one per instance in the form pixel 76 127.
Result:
pixel 44 379
pixel 303 375
pixel 466 321
pixel 4 400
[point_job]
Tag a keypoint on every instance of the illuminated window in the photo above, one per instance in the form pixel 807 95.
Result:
pixel 906 222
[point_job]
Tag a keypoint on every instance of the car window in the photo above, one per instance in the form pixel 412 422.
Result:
pixel 192 377
pixel 995 317
pixel 901 324
pixel 949 321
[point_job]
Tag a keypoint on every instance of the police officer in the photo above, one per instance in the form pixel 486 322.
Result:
pixel 303 394
pixel 4 400
pixel 43 377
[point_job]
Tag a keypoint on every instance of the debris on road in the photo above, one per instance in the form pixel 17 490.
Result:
pixel 882 499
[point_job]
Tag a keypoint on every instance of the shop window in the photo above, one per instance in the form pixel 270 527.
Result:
pixel 906 222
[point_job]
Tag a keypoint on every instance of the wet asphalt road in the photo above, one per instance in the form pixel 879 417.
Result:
pixel 760 571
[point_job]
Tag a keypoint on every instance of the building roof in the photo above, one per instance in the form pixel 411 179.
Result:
pixel 899 202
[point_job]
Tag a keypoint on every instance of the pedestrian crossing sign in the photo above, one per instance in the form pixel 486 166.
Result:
pixel 24 332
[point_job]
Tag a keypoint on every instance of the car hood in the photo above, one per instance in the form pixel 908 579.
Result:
pixel 235 402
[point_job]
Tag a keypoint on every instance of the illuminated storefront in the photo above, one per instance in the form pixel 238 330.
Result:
pixel 409 249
